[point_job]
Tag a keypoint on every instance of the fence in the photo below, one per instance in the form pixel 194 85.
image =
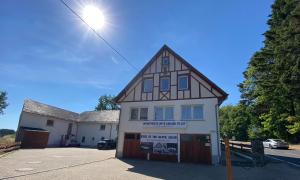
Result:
pixel 10 147
pixel 242 146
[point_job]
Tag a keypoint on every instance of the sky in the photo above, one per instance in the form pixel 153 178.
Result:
pixel 49 55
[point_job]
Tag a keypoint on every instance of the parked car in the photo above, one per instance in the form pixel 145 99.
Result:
pixel 74 143
pixel 106 144
pixel 275 143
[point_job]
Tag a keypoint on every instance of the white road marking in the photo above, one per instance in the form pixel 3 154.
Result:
pixel 297 165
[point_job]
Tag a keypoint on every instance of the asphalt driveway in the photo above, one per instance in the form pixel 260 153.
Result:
pixel 290 156
pixel 80 163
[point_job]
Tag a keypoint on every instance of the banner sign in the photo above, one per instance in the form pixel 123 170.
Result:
pixel 159 143
pixel 164 124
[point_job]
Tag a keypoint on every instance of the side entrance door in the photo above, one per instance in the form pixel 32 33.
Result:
pixel 195 148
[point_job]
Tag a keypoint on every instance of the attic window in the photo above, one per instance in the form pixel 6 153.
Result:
pixel 165 63
pixel 148 85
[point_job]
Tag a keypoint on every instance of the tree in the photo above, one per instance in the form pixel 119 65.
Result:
pixel 106 103
pixel 271 86
pixel 3 101
pixel 235 122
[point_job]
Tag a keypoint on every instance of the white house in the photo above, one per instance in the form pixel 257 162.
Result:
pixel 87 128
pixel 169 111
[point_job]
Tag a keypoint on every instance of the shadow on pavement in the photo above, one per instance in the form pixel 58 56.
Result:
pixel 169 170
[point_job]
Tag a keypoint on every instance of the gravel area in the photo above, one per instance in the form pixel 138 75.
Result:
pixel 79 163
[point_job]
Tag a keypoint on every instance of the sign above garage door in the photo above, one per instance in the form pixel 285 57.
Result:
pixel 164 124
pixel 159 143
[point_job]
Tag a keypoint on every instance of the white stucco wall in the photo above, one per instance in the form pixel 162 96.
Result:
pixel 206 126
pixel 59 128
pixel 92 129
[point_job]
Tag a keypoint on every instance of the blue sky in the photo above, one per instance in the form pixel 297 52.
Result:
pixel 48 55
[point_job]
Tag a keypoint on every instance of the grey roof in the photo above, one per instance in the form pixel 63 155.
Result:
pixel 100 116
pixel 35 107
pixel 47 110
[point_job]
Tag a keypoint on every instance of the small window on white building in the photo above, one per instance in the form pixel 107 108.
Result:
pixel 148 85
pixel 192 112
pixel 164 113
pixel 134 114
pixel 183 82
pixel 102 127
pixel 144 114
pixel 165 84
pixel 50 123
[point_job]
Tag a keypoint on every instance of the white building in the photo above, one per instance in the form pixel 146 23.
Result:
pixel 87 128
pixel 169 111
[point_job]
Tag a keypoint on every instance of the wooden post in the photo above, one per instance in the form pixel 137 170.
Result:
pixel 228 159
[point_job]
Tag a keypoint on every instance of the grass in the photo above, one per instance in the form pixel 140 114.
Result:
pixel 7 139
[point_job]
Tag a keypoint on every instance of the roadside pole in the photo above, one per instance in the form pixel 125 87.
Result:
pixel 228 159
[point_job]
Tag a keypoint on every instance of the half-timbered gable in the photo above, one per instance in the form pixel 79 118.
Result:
pixel 167 76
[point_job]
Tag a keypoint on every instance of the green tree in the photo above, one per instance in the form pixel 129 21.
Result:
pixel 106 103
pixel 271 86
pixel 3 101
pixel 235 122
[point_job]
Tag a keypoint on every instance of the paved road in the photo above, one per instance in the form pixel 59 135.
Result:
pixel 289 156
pixel 85 164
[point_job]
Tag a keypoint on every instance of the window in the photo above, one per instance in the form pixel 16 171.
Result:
pixel 192 112
pixel 165 61
pixel 159 113
pixel 165 84
pixel 144 114
pixel 169 113
pixel 134 114
pixel 186 112
pixel 148 85
pixel 183 82
pixel 139 114
pixel 83 139
pixel 50 123
pixel 164 113
pixel 102 127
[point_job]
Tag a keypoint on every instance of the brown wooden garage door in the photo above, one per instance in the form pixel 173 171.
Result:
pixel 195 148
pixel 131 147
pixel 34 139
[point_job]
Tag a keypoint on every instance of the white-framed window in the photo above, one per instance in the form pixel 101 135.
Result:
pixel 139 113
pixel 162 113
pixel 50 123
pixel 183 82
pixel 148 85
pixel 143 113
pixel 165 84
pixel 192 112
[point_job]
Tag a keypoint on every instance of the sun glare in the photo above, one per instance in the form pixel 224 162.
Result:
pixel 93 17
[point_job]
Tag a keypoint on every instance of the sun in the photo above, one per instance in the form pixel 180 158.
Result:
pixel 93 17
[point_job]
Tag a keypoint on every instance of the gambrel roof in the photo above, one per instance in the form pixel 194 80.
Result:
pixel 202 79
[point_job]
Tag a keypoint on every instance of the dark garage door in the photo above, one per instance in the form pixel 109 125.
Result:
pixel 195 148
pixel 132 146
pixel 34 138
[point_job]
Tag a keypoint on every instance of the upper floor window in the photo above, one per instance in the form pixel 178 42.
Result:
pixel 139 114
pixel 165 84
pixel 183 82
pixel 192 112
pixel 148 85
pixel 164 113
pixel 50 123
